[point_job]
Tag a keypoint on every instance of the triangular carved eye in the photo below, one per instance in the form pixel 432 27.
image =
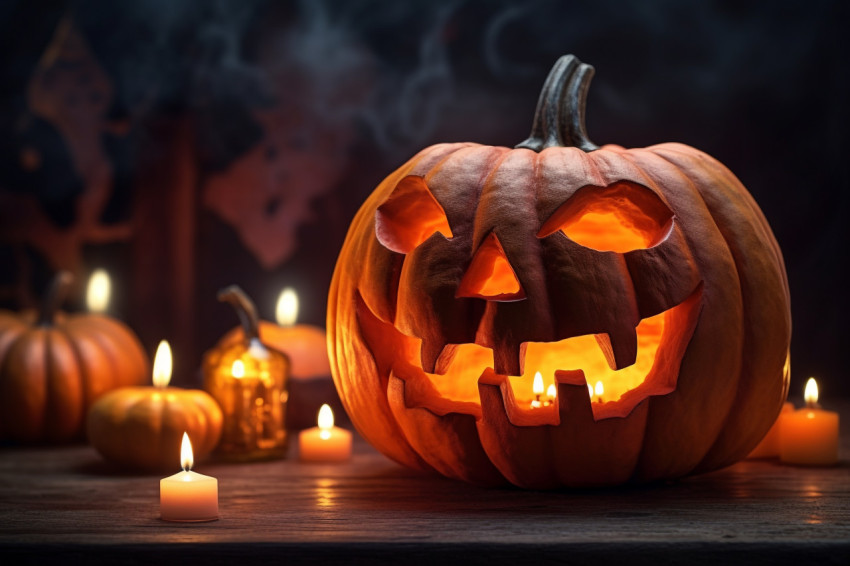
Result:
pixel 410 216
pixel 621 217
pixel 490 275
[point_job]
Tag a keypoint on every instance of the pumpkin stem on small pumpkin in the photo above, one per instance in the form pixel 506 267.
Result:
pixel 559 118
pixel 55 296
pixel 245 309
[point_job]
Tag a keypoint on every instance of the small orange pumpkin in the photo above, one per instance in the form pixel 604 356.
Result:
pixel 54 366
pixel 651 271
pixel 141 428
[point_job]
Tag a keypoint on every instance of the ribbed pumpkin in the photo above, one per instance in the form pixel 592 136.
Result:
pixel 53 366
pixel 141 428
pixel 650 272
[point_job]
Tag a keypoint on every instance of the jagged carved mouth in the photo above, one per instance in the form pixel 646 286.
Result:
pixel 580 360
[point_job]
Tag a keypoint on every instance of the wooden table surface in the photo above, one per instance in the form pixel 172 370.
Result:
pixel 66 505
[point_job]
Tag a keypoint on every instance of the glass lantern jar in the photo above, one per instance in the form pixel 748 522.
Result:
pixel 250 381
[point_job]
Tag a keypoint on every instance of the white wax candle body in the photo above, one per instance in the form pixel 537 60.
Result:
pixel 188 496
pixel 329 445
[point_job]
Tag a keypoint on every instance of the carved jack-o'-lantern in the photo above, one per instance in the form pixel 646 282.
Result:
pixel 649 275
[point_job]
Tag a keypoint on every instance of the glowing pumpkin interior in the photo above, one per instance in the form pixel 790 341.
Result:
pixel 490 275
pixel 620 218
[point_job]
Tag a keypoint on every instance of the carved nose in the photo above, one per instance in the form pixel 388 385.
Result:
pixel 490 275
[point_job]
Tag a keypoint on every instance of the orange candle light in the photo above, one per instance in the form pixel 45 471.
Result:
pixel 188 496
pixel 551 395
pixel 325 443
pixel 596 392
pixel 537 389
pixel 809 436
pixel 98 291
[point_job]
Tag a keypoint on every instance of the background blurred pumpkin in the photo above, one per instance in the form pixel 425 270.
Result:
pixel 471 268
pixel 53 366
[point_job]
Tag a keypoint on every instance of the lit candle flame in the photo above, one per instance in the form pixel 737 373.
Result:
pixel 590 390
pixel 187 459
pixel 551 393
pixel 287 307
pixel 811 393
pixel 599 389
pixel 97 294
pixel 238 369
pixel 326 421
pixel 162 365
pixel 537 384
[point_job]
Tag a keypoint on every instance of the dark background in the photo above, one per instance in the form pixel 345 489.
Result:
pixel 308 105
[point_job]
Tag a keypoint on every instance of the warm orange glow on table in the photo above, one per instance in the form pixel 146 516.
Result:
pixel 809 436
pixel 324 443
pixel 188 496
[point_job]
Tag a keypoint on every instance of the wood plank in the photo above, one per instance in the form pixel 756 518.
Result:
pixel 66 502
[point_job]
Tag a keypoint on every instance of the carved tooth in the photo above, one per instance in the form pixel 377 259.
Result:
pixel 573 401
pixel 445 358
pixel 506 358
pixel 522 454
pixel 621 349
pixel 430 353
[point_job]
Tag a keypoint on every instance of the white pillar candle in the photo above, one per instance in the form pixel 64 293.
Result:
pixel 188 496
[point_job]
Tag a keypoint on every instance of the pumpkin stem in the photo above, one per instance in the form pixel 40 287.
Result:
pixel 559 118
pixel 245 309
pixel 55 296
